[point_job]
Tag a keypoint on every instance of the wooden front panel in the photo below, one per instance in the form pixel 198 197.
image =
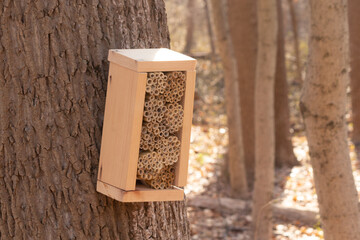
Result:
pixel 122 127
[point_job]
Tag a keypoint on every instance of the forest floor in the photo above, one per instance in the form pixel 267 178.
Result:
pixel 293 187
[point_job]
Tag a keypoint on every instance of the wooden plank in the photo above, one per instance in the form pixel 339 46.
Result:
pixel 122 127
pixel 136 129
pixel 152 60
pixel 140 194
pixel 115 57
pixel 165 66
pixel 151 55
pixel 182 165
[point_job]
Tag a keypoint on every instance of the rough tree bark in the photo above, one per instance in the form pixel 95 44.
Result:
pixel 284 154
pixel 52 94
pixel 323 106
pixel 264 118
pixel 236 165
pixel 354 30
pixel 242 22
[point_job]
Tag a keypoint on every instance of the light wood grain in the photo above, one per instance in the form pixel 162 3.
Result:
pixel 123 122
pixel 182 165
pixel 140 194
pixel 151 60
pixel 122 127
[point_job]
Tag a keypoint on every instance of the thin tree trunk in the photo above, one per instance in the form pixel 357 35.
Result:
pixel 264 118
pixel 210 30
pixel 243 29
pixel 242 22
pixel 284 154
pixel 295 41
pixel 236 166
pixel 52 95
pixel 323 106
pixel 190 26
pixel 354 18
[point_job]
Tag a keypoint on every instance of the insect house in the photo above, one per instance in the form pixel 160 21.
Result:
pixel 146 132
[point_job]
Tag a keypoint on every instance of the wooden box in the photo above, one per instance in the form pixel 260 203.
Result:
pixel 129 88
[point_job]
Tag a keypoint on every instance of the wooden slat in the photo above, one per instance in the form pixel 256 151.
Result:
pixel 182 164
pixel 136 131
pixel 140 194
pixel 165 66
pixel 152 60
pixel 122 127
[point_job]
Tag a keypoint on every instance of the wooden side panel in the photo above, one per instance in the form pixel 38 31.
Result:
pixel 122 126
pixel 141 193
pixel 182 164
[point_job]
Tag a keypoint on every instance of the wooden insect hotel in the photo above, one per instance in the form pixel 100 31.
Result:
pixel 147 123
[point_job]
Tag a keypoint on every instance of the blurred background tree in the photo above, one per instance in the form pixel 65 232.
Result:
pixel 354 30
pixel 235 165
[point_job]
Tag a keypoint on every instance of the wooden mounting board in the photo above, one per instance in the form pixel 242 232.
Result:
pixel 140 194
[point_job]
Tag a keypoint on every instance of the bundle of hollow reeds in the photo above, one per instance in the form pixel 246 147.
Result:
pixel 162 121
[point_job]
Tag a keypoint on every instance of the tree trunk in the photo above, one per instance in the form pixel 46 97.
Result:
pixel 295 41
pixel 264 118
pixel 236 166
pixel 52 95
pixel 190 26
pixel 354 18
pixel 323 106
pixel 243 26
pixel 284 155
pixel 242 22
pixel 209 28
